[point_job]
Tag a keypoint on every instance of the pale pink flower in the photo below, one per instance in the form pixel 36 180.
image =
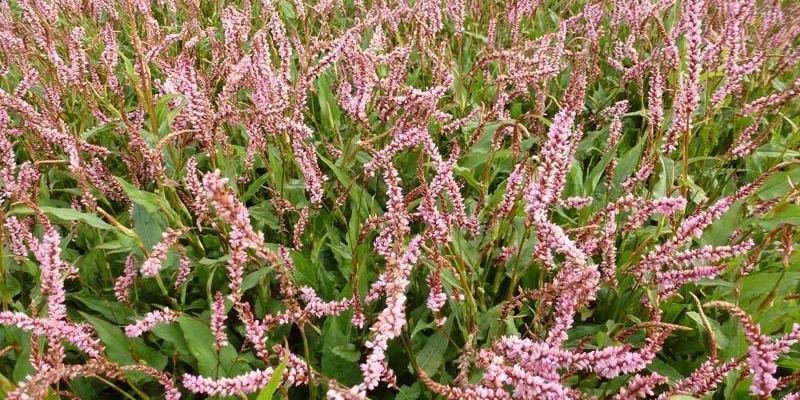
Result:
pixel 79 335
pixel 514 183
pixel 689 92
pixel 556 154
pixel 184 269
pixel 231 210
pixel 615 129
pixel 198 201
pixel 54 271
pixel 772 101
pixel 655 100
pixel 150 320
pixel 614 361
pixel 641 386
pixel 250 382
pixel 319 308
pixel 669 282
pixel 353 393
pixel 576 202
pixel 392 319
pixel 297 235
pixel 436 297
pixel 124 282
pixel 152 265
pixel 744 144
pixel 762 352
pixel 218 321
pixel 702 381
pixel 296 373
pixel 19 234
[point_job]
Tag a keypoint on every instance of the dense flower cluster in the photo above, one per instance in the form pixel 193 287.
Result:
pixel 469 199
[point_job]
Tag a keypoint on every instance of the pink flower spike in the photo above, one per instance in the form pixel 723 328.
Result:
pixel 641 387
pixel 149 321
pixel 184 269
pixel 124 282
pixel 319 308
pixel 248 383
pixel 153 264
pixel 218 321
pixel 762 352
pixel 79 335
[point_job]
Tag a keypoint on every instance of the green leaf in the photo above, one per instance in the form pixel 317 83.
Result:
pixel 756 287
pixel 287 9
pixel 251 280
pixel 664 369
pixel 305 274
pixel 110 310
pixel 478 154
pixel 787 214
pixel 408 392
pixel 347 352
pixel 6 385
pixel 173 334
pixel 150 356
pixel 327 104
pixel 201 344
pixel 476 36
pixel 431 356
pixel 627 163
pixel 341 175
pixel 275 381
pixel 719 232
pixel 336 332
pixel 597 172
pixel 148 226
pixel 87 134
pixel 117 344
pixel 255 187
pixel 23 367
pixel 66 215
pixel 150 201
pixel 778 184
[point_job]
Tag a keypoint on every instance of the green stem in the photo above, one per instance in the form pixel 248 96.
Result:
pixel 515 275
pixel 124 393
pixel 307 353
pixel 6 295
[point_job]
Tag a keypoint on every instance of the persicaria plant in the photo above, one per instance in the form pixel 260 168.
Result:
pixel 386 199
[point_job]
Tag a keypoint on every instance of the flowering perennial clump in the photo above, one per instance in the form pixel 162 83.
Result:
pixel 353 199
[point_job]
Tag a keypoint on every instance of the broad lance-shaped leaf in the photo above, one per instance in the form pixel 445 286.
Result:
pixel 431 356
pixel 268 391
pixel 66 215
pixel 201 344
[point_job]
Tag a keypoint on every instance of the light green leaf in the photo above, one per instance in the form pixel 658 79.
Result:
pixel 341 175
pixel 347 352
pixel 150 201
pixel 787 214
pixel 201 344
pixel 149 226
pixel 65 214
pixel 275 381
pixel 116 343
pixel 431 356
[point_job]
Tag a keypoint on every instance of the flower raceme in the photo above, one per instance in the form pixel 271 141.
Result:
pixel 149 321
